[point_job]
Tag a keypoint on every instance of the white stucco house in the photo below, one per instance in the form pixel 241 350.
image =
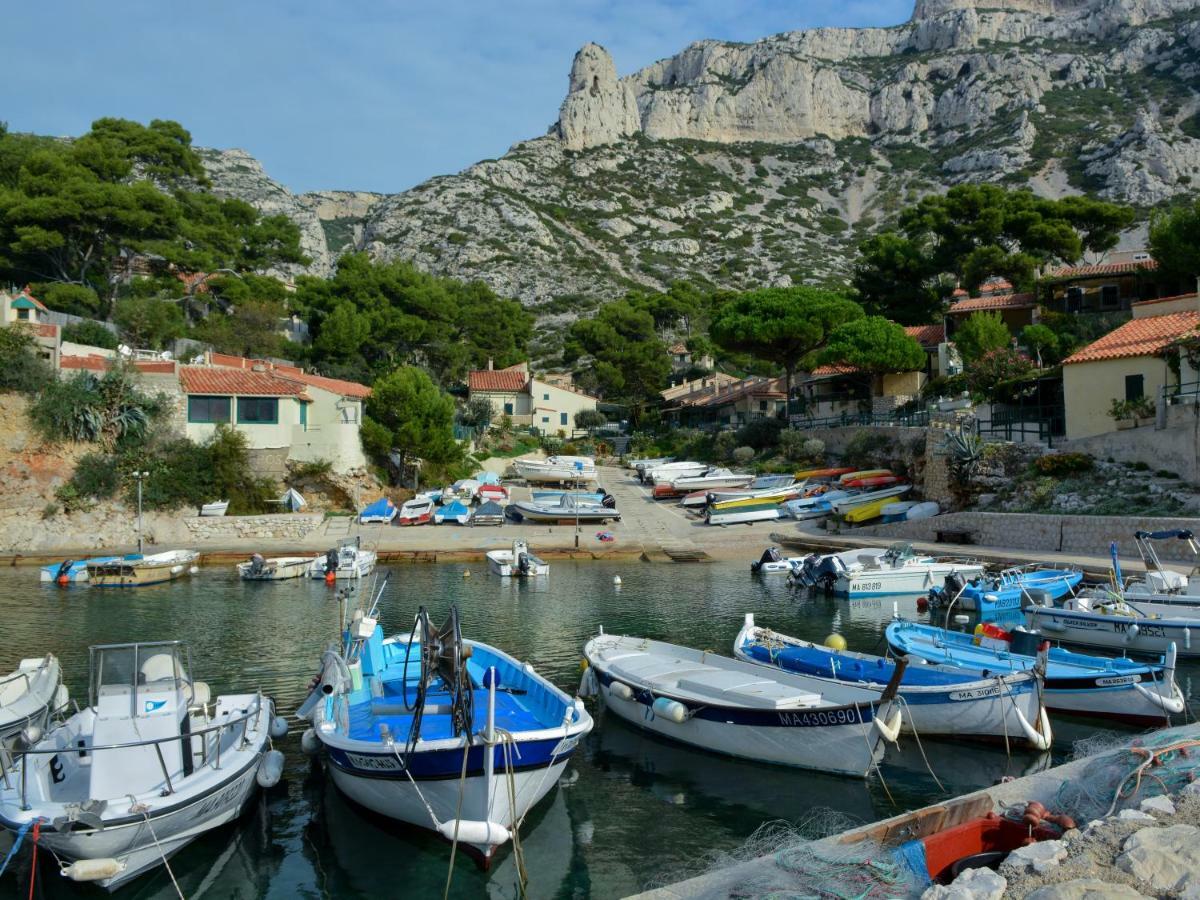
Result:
pixel 528 400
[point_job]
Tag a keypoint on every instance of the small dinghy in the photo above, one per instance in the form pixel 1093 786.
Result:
pixel 417 511
pixel 381 512
pixel 75 571
pixel 496 493
pixel 763 484
pixel 148 766
pixel 995 595
pixel 742 709
pixel 553 496
pixel 489 513
pixel 453 513
pixel 517 562
pixel 1076 684
pixel 216 508
pixel 29 696
pixel 556 469
pixel 442 732
pixel 349 560
pixel 275 568
pixel 939 700
pixel 143 570
pixel 566 509
pixel 772 562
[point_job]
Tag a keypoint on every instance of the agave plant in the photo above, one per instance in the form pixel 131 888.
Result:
pixel 965 449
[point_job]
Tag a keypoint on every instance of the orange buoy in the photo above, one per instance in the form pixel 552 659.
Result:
pixel 330 577
pixel 64 580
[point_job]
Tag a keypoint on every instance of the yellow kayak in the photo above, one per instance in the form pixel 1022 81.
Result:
pixel 868 511
pixel 775 498
pixel 864 473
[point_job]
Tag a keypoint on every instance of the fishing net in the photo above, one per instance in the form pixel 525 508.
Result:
pixel 1123 773
pixel 801 867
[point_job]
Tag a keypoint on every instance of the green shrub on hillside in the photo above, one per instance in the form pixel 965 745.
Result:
pixel 21 369
pixel 1060 464
pixel 93 334
pixel 108 410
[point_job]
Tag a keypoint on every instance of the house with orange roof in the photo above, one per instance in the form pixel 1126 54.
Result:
pixel 20 307
pixel 1114 285
pixel 528 400
pixel 724 403
pixel 1016 310
pixel 1135 362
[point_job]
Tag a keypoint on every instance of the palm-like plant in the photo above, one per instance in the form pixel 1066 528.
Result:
pixel 965 449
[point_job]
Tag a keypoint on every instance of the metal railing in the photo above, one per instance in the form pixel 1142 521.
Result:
pixel 1040 424
pixel 9 758
pixel 914 419
pixel 1187 392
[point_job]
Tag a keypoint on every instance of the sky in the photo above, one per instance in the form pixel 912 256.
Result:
pixel 350 94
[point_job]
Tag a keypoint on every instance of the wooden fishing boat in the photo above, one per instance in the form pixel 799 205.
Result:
pixel 155 568
pixel 275 568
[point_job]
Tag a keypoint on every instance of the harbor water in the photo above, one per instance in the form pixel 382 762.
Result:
pixel 632 811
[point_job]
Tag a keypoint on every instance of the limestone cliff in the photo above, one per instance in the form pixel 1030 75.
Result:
pixel 766 162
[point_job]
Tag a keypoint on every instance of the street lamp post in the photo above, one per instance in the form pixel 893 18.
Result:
pixel 139 476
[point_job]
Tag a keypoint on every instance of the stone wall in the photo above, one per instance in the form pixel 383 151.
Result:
pixel 268 462
pixel 1175 448
pixel 1085 535
pixel 272 527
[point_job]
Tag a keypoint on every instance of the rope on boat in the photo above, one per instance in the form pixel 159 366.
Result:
pixel 21 832
pixel 913 725
pixel 37 829
pixel 142 808
pixel 462 789
pixel 1003 717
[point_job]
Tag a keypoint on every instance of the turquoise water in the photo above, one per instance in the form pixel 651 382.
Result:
pixel 631 811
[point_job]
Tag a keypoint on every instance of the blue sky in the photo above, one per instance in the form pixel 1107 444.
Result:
pixel 353 94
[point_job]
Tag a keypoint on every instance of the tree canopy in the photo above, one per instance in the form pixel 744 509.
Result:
pixel 625 360
pixel 875 346
pixel 971 233
pixel 782 325
pixel 1175 241
pixel 371 317
pixel 415 416
pixel 980 334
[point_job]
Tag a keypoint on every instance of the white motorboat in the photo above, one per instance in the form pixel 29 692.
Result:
pixel 896 570
pixel 517 562
pixel 441 732
pixel 741 709
pixel 556 469
pixel 148 766
pixel 275 568
pixel 816 506
pixel 940 700
pixel 821 569
pixel 29 696
pixel 760 486
pixel 713 479
pixel 567 508
pixel 1160 584
pixel 140 571
pixel 417 511
pixel 672 470
pixel 349 560
pixel 216 508
pixel 1099 618
pixel 772 562
pixel 640 465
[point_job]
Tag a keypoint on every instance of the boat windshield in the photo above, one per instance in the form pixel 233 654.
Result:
pixel 131 669
pixel 900 550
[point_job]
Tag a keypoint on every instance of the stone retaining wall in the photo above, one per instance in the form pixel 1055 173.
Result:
pixel 279 526
pixel 1088 535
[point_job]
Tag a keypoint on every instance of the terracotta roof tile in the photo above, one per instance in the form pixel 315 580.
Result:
pixel 1102 269
pixel 1139 337
pixel 926 335
pixel 333 385
pixel 994 301
pixel 497 380
pixel 833 369
pixel 679 348
pixel 241 362
pixel 996 286
pixel 220 380
pixel 757 387
pixel 1142 303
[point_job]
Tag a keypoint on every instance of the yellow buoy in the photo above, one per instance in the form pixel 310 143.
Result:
pixel 583 664
pixel 835 642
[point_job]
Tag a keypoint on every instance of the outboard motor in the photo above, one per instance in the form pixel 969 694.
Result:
pixel 331 561
pixel 256 564
pixel 523 563
pixel 608 501
pixel 62 576
pixel 771 554
pixel 802 571
pixel 826 573
pixel 952 586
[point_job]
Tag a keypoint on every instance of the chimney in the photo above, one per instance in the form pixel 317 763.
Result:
pixel 489 368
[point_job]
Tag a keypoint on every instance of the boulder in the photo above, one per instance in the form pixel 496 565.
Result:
pixel 1160 805
pixel 973 884
pixel 1039 858
pixel 1086 889
pixel 1167 859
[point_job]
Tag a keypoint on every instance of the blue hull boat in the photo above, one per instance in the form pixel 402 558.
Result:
pixel 994 596
pixel 1075 683
pixel 940 700
pixel 74 571
pixel 440 732
pixel 453 513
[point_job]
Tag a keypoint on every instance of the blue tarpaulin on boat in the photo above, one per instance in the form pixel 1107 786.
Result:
pixel 381 510
pixel 486 477
pixel 450 513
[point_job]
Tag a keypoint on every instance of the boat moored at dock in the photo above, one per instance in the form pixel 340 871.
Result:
pixel 1006 591
pixel 75 571
pixel 741 709
pixel 348 560
pixel 30 696
pixel 517 562
pixel 140 571
pixel 275 568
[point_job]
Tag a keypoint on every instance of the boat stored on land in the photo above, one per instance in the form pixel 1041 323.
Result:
pixel 1075 683
pixel 553 496
pixel 939 700
pixel 568 508
pixel 712 479
pixel 442 732
pixel 488 513
pixel 741 709
pixel 154 568
pixel 381 512
pixel 275 568
pixel 517 562
pixel 30 696
pixel 993 595
pixel 556 469
pixel 417 511
pixel 763 484
pixel 216 508
pixel 148 766
pixel 454 512
pixel 349 560
pixel 910 510
pixel 75 571
pixel 843 505
pixel 865 512
pixel 672 470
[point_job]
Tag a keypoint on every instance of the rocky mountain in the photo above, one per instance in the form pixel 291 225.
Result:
pixel 766 162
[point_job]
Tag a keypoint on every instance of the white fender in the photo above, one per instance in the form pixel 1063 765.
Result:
pixel 310 743
pixel 621 690
pixel 890 730
pixel 1172 704
pixel 475 832
pixel 278 727
pixel 93 869
pixel 1039 738
pixel 671 710
pixel 270 769
pixel 1132 633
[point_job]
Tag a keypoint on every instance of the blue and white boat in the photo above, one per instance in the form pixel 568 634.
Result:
pixel 740 709
pixel 555 496
pixel 75 571
pixel 997 595
pixel 1075 683
pixel 453 513
pixel 441 732
pixel 381 512
pixel 939 700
